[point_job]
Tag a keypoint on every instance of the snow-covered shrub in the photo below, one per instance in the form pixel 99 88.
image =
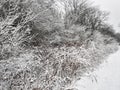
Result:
pixel 37 51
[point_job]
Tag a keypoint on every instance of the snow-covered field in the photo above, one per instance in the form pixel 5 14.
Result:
pixel 107 77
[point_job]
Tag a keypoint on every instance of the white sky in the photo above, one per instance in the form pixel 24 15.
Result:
pixel 113 7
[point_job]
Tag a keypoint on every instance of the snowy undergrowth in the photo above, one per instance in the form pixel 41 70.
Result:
pixel 38 51
pixel 51 68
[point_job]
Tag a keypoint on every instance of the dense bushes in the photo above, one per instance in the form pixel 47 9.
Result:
pixel 40 49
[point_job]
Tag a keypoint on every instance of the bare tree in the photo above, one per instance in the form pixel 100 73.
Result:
pixel 73 9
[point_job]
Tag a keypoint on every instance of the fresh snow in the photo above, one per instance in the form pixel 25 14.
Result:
pixel 107 77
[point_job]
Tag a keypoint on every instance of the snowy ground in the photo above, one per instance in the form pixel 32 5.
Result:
pixel 108 76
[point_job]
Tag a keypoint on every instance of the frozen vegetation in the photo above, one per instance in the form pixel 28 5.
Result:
pixel 106 77
pixel 50 44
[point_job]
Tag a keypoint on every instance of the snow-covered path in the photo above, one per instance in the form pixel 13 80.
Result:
pixel 108 76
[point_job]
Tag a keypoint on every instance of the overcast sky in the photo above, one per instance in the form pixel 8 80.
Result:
pixel 112 6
